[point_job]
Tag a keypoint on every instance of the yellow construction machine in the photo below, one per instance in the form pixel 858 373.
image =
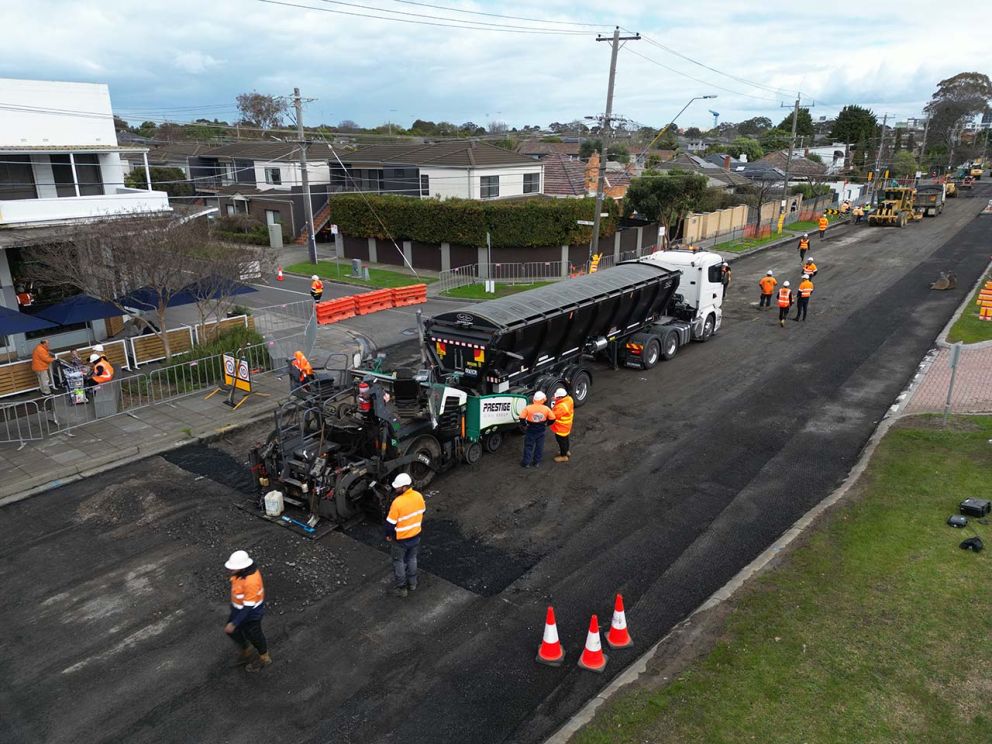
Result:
pixel 896 207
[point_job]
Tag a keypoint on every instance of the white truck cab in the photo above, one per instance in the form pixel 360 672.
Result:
pixel 701 287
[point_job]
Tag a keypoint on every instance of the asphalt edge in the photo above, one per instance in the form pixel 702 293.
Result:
pixel 942 336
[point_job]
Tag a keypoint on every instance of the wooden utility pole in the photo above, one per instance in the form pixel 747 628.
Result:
pixel 878 157
pixel 305 176
pixel 788 161
pixel 605 131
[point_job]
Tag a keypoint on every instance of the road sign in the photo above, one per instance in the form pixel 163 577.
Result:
pixel 230 367
pixel 590 223
pixel 243 380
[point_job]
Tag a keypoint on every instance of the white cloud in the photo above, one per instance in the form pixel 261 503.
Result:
pixel 195 62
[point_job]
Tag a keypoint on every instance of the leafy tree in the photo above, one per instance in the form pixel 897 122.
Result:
pixel 261 110
pixel 854 123
pixel 653 161
pixel 170 180
pixel 146 129
pixel 956 98
pixel 120 125
pixel 775 139
pixel 665 196
pixel 904 165
pixel 558 127
pixel 588 147
pixel 804 123
pixel 618 152
pixel 815 158
pixel 552 138
pixel 747 146
pixel 811 190
pixel 577 126
pixel 347 125
pixel 693 133
pixel 756 125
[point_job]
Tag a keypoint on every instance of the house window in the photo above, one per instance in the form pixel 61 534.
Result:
pixel 489 187
pixel 273 176
pixel 273 217
pixel 88 175
pixel 532 183
pixel 231 211
pixel 17 178
pixel 425 185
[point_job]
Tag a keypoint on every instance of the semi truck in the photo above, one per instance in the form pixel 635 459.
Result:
pixel 930 199
pixel 334 450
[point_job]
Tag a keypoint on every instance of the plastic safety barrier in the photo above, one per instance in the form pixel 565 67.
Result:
pixel 373 302
pixel 332 311
pixel 415 294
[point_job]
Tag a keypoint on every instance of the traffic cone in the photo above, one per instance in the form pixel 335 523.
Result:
pixel 618 637
pixel 593 657
pixel 550 651
pixel 279 275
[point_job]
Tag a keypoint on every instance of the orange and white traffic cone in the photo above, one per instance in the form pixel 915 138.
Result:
pixel 618 637
pixel 279 275
pixel 593 657
pixel 550 651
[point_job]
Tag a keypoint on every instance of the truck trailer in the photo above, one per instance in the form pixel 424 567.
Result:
pixel 930 198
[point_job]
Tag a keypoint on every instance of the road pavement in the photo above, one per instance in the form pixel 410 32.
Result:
pixel 116 596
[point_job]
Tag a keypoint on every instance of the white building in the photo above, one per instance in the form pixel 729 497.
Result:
pixel 60 165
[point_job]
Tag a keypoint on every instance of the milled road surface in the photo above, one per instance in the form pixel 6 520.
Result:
pixel 115 594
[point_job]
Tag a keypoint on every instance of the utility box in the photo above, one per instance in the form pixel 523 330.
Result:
pixel 356 268
pixel 275 236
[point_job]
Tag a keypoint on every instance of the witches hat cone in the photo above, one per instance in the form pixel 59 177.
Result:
pixel 279 275
pixel 618 637
pixel 550 652
pixel 593 657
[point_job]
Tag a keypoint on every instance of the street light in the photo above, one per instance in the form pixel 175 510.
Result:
pixel 667 126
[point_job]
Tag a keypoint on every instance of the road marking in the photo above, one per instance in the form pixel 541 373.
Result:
pixel 281 289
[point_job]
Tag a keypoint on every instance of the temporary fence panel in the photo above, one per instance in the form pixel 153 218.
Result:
pixel 207 332
pixel 145 349
pixel 526 272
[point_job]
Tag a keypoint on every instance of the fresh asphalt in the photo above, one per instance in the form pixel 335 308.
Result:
pixel 115 597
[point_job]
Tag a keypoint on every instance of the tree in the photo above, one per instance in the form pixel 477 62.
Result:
pixel 815 158
pixel 955 100
pixel 746 146
pixel 497 127
pixel 219 267
pixel 897 144
pixel 172 181
pixel 775 139
pixel 261 110
pixel 665 196
pixel 904 165
pixel 756 125
pixel 120 125
pixel 146 129
pixel 470 128
pixel 693 133
pixel 588 147
pixel 347 125
pixel 804 124
pixel 557 127
pixel 551 138
pixel 577 126
pixel 854 123
pixel 618 152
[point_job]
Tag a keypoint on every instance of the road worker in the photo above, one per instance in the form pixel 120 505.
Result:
pixel 536 418
pixel 244 624
pixel 821 225
pixel 403 527
pixel 809 268
pixel 302 370
pixel 41 362
pixel 103 371
pixel 316 288
pixel 24 297
pixel 802 299
pixel 767 283
pixel 784 303
pixel 859 214
pixel 803 247
pixel 725 276
pixel 563 407
pixel 845 207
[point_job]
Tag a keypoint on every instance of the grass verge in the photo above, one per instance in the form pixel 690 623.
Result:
pixel 478 291
pixel 874 630
pixel 338 271
pixel 968 328
pixel 746 244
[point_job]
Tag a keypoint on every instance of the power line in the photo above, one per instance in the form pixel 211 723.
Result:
pixel 499 15
pixel 700 80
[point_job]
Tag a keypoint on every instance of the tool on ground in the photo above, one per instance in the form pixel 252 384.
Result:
pixel 975 507
pixel 550 651
pixel 593 657
pixel 297 523
pixel 957 520
pixel 618 636
pixel 972 543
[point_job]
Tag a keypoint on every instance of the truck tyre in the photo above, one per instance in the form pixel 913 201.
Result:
pixel 421 473
pixel 709 326
pixel 491 442
pixel 902 220
pixel 651 353
pixel 670 346
pixel 473 452
pixel 580 388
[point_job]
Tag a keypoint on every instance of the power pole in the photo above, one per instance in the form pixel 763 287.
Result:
pixel 788 162
pixel 307 204
pixel 604 132
pixel 878 157
pixel 923 147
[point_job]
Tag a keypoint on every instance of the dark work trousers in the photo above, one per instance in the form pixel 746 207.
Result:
pixel 802 305
pixel 783 313
pixel 250 631
pixel 765 301
pixel 533 444
pixel 562 443
pixel 404 555
pixel 316 295
pixel 802 255
pixel 823 234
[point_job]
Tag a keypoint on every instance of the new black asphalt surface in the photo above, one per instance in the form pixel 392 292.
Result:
pixel 115 595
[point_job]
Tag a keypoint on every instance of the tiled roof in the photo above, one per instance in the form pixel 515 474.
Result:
pixel 451 153
pixel 266 151
pixel 564 177
pixel 535 147
pixel 800 167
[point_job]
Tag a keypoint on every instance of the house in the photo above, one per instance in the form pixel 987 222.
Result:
pixel 283 206
pixel 536 149
pixel 801 169
pixel 833 156
pixel 166 155
pixel 263 164
pixel 573 178
pixel 60 166
pixel 716 175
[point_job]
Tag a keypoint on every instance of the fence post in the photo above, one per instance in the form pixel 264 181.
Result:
pixel 955 357
pixel 564 262
pixel 445 257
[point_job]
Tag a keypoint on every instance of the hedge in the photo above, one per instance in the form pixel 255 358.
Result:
pixel 255 237
pixel 514 223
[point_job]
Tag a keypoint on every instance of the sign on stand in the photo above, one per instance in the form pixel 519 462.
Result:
pixel 237 376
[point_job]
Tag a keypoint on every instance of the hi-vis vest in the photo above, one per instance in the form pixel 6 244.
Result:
pixel 564 411
pixel 767 284
pixel 406 514
pixel 784 297
pixel 537 413
pixel 247 591
pixel 316 286
pixel 805 289
pixel 102 372
pixel 823 223
pixel 804 244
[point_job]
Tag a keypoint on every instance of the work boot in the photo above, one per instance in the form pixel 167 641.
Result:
pixel 781 322
pixel 244 656
pixel 561 458
pixel 412 586
pixel 400 591
pixel 260 663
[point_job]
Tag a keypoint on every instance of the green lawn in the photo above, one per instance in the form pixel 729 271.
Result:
pixel 746 244
pixel 340 272
pixel 478 291
pixel 968 328
pixel 876 629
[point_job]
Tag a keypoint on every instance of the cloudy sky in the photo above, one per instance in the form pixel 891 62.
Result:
pixel 180 59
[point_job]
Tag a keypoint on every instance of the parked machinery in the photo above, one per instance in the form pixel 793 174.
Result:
pixel 929 199
pixel 896 207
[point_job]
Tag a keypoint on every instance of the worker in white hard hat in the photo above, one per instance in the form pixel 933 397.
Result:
pixel 563 407
pixel 803 246
pixel 725 276
pixel 403 528
pixel 316 288
pixel 244 624
pixel 535 418
pixel 102 371
pixel 767 283
pixel 785 298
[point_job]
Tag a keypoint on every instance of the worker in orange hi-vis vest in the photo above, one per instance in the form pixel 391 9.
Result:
pixel 561 427
pixel 802 297
pixel 403 529
pixel 803 247
pixel 767 283
pixel 535 418
pixel 785 297
pixel 316 288
pixel 822 225
pixel 244 623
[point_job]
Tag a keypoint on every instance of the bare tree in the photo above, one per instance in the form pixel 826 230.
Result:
pixel 221 270
pixel 261 110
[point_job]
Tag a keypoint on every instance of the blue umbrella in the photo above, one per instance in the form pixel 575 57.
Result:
pixel 214 288
pixel 79 309
pixel 12 321
pixel 147 298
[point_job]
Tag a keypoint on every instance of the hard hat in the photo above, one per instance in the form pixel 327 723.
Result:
pixel 560 393
pixel 771 273
pixel 805 235
pixel 785 283
pixel 315 277
pixel 402 480
pixel 98 348
pixel 94 357
pixel 805 276
pixel 239 560
pixel 539 396
pixel 725 263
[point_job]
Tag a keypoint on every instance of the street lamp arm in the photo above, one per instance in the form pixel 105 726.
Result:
pixel 669 124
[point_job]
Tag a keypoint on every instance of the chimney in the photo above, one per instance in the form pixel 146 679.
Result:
pixel 726 162
pixel 592 173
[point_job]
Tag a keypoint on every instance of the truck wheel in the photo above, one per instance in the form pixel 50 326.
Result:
pixel 670 346
pixel 902 220
pixel 709 326
pixel 580 388
pixel 473 452
pixel 491 442
pixel 423 473
pixel 651 353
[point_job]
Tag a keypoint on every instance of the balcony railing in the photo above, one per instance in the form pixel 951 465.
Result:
pixel 120 201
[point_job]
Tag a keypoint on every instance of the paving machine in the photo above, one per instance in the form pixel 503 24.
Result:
pixel 896 207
